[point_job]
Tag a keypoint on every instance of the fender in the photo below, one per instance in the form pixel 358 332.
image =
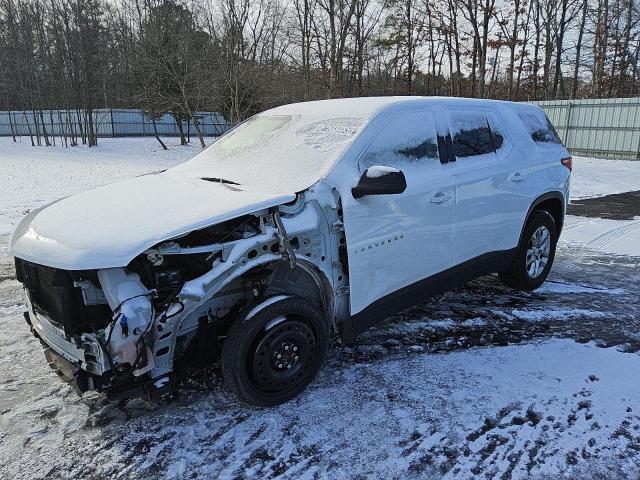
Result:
pixel 542 198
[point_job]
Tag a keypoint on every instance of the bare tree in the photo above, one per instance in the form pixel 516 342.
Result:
pixel 479 15
pixel 62 60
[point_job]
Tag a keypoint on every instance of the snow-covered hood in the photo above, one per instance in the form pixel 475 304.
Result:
pixel 111 225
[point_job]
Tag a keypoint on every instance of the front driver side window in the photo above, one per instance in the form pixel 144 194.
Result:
pixel 405 142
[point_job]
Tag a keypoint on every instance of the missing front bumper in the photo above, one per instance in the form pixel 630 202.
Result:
pixel 79 367
pixel 80 363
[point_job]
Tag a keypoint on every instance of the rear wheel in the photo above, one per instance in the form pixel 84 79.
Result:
pixel 274 354
pixel 534 255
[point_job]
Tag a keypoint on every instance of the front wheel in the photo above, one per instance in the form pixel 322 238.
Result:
pixel 271 356
pixel 534 255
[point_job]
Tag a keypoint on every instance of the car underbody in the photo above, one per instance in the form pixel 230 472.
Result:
pixel 165 314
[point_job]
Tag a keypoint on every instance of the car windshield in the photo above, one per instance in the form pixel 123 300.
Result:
pixel 275 153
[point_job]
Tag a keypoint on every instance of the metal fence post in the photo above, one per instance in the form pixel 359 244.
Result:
pixel 638 148
pixel 567 130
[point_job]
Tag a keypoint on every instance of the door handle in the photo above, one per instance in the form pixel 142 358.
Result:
pixel 440 197
pixel 517 177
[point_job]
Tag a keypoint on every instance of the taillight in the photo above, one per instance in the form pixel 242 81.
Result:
pixel 567 162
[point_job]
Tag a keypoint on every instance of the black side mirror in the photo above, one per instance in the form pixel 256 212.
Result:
pixel 380 180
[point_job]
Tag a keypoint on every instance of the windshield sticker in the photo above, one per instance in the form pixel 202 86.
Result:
pixel 326 134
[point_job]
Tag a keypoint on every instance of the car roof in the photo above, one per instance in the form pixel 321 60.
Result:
pixel 368 107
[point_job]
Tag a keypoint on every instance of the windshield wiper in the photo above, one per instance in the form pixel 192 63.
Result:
pixel 219 180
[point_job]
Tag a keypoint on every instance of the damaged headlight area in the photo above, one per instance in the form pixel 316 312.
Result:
pixel 167 311
pixel 96 326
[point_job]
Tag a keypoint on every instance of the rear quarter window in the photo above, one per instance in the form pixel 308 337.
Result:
pixel 540 128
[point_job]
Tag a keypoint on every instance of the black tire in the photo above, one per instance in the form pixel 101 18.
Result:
pixel 250 364
pixel 517 275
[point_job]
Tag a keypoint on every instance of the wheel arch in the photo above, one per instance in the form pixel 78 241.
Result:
pixel 550 202
pixel 304 280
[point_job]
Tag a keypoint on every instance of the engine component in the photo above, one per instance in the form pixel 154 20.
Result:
pixel 155 259
pixel 69 300
pixel 167 278
pixel 129 300
pixel 91 295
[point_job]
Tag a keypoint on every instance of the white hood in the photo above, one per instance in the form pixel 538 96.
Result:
pixel 109 226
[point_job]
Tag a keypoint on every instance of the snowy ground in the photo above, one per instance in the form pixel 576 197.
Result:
pixel 593 177
pixel 482 382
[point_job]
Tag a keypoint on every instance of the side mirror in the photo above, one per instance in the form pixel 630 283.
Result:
pixel 380 180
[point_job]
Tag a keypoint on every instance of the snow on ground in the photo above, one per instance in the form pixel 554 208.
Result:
pixel 594 177
pixel 620 237
pixel 481 382
pixel 537 398
pixel 556 314
pixel 559 287
pixel 591 178
pixel 544 408
pixel 33 177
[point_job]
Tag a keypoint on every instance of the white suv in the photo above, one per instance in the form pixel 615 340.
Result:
pixel 307 220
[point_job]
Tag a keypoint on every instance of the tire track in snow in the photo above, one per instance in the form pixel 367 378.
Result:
pixel 572 222
pixel 614 234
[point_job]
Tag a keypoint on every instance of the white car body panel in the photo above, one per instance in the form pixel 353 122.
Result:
pixel 489 197
pixel 109 226
pixel 386 254
pixel 397 240
pixel 487 213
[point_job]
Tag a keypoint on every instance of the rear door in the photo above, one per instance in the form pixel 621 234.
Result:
pixel 395 241
pixel 490 193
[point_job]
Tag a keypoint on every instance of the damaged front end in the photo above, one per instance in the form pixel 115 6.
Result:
pixel 95 326
pixel 168 310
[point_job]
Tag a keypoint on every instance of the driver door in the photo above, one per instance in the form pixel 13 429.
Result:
pixel 396 241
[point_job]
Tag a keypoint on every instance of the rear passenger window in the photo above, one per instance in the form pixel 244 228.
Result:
pixel 539 127
pixel 406 141
pixel 471 134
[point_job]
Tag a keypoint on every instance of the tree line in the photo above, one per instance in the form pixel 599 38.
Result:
pixel 239 57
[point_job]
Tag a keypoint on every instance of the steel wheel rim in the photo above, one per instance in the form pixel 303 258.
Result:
pixel 538 252
pixel 283 355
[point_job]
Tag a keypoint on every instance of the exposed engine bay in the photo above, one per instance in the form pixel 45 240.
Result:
pixel 167 312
